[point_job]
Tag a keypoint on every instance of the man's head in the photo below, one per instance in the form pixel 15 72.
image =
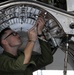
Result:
pixel 8 37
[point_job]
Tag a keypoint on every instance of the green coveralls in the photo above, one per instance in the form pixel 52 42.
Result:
pixel 10 65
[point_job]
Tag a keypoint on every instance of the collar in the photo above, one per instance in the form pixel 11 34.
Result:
pixel 9 54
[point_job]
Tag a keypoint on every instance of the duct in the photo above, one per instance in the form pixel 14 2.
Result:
pixel 22 15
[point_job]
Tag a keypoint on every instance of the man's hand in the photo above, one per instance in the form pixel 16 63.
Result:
pixel 32 34
pixel 40 24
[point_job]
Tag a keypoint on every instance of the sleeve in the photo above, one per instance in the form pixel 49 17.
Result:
pixel 12 65
pixel 45 57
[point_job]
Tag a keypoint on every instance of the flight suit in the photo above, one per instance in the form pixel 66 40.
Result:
pixel 13 65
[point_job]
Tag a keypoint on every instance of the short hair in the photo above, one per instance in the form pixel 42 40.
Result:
pixel 2 33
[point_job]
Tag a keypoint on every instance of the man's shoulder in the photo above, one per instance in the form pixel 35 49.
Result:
pixel 4 56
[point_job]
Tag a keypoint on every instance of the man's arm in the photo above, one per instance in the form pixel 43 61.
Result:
pixel 45 58
pixel 32 36
pixel 28 52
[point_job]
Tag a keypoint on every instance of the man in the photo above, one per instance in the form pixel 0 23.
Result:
pixel 12 63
